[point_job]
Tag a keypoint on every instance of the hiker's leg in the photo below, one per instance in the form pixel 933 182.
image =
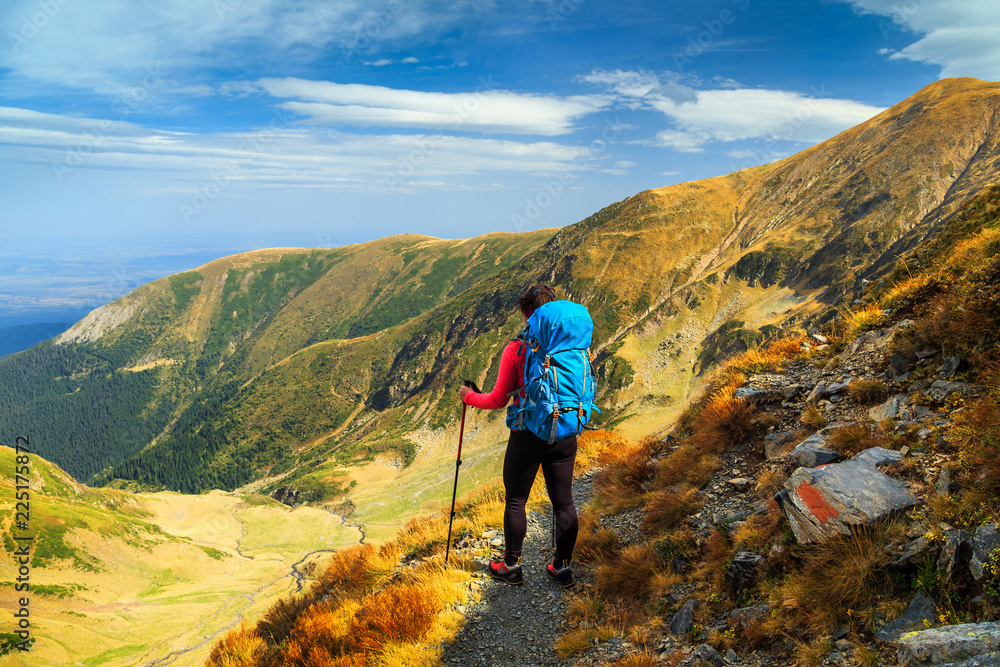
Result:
pixel 520 464
pixel 557 467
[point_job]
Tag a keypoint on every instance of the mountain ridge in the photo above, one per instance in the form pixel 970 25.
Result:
pixel 274 351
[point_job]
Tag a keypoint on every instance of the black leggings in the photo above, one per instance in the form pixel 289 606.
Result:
pixel 525 452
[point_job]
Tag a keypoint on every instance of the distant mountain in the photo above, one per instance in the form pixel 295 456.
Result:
pixel 288 365
pixel 22 336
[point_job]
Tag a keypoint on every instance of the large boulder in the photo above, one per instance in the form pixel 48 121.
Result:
pixel 877 340
pixel 896 408
pixel 985 660
pixel 948 644
pixel 820 503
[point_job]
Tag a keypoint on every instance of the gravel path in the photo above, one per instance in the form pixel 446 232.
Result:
pixel 518 625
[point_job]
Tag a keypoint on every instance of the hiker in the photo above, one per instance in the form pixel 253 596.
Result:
pixel 526 452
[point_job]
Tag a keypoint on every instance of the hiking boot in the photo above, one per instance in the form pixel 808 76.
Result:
pixel 510 574
pixel 559 571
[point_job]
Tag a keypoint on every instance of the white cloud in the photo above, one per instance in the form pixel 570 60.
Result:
pixel 381 63
pixel 732 115
pixel 278 155
pixel 488 110
pixel 962 36
pixel 409 60
pixel 623 82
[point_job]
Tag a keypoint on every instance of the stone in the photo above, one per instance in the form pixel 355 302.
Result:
pixel 952 552
pixel 741 484
pixel 777 445
pixel 753 395
pixel 926 353
pixel 822 340
pixel 878 456
pixel 982 545
pixel 944 483
pixel 811 452
pixel 822 502
pixel 897 407
pixel 919 615
pixel 948 644
pixel 909 554
pixel 791 391
pixel 899 364
pixel 818 392
pixel 839 387
pixel 744 569
pixel 940 390
pixel 985 660
pixel 876 340
pixel 731 656
pixel 953 366
pixel 680 624
pixel 748 614
pixel 703 654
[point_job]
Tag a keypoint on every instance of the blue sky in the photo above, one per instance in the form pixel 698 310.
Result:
pixel 138 139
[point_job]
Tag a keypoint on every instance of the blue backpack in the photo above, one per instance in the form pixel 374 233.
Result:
pixel 559 383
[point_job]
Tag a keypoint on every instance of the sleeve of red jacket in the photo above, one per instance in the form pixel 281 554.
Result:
pixel 506 382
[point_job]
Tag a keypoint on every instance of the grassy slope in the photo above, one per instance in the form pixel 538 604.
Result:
pixel 118 577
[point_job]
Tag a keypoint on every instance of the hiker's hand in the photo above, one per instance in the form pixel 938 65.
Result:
pixel 464 391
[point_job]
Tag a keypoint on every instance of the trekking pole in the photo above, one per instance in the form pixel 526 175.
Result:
pixel 458 462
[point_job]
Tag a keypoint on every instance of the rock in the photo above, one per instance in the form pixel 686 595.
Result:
pixel 909 554
pixel 944 483
pixel 877 340
pixel 952 366
pixel 791 391
pixel 822 340
pixel 941 389
pixel 925 353
pixel 730 519
pixel 982 545
pixel 894 408
pixel 952 552
pixel 822 502
pixel 754 395
pixel 948 644
pixel 731 656
pixel 878 456
pixel 777 445
pixel 811 452
pixel 818 392
pixel 920 615
pixel 899 364
pixel 748 614
pixel 744 570
pixel 680 624
pixel 985 660
pixel 741 484
pixel 839 387
pixel 703 655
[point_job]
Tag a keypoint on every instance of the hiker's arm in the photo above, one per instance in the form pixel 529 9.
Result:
pixel 505 385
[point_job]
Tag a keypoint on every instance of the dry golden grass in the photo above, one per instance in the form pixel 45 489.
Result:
pixel 812 417
pixel 978 431
pixel 769 482
pixel 593 446
pixel 585 608
pixel 867 392
pixel 635 660
pixel 357 569
pixel 904 292
pixel 857 322
pixel 240 648
pixel 593 543
pixel 634 574
pixel 400 614
pixel 716 556
pixel 320 635
pixel 844 574
pixel 665 508
pixel 686 465
pixel 723 422
pixel 277 623
pixel 851 439
pixel 618 485
pixel 760 531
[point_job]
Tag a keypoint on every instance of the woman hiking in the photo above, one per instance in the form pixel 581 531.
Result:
pixel 525 453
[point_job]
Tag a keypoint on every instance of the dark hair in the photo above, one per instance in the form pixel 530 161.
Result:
pixel 536 296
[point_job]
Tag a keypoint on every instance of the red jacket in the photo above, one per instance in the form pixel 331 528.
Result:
pixel 510 379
